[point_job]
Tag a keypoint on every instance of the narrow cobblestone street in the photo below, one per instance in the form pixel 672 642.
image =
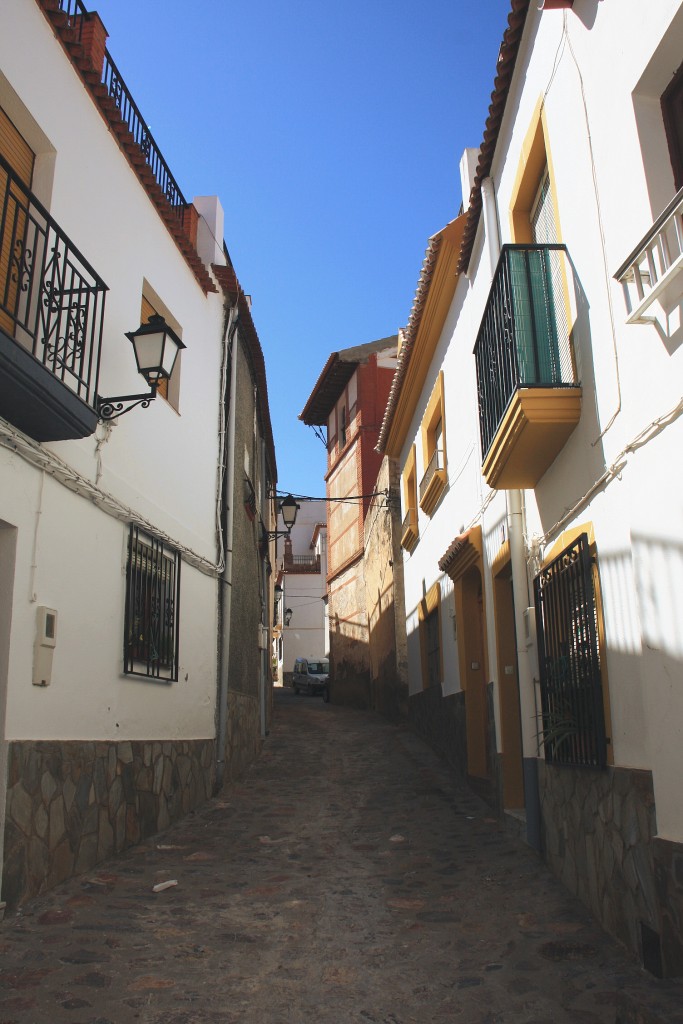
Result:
pixel 345 878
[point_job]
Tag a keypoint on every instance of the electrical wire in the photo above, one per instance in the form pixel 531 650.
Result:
pixel 46 460
pixel 347 498
pixel 618 465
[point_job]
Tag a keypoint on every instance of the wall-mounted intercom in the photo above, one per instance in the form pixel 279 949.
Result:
pixel 44 645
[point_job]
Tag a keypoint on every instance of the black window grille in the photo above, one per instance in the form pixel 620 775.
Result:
pixel 433 645
pixel 152 608
pixel 573 727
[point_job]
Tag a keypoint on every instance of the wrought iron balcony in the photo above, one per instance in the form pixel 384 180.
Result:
pixel 301 564
pixel 433 483
pixel 529 399
pixel 409 531
pixel 654 270
pixel 76 14
pixel 131 116
pixel 51 313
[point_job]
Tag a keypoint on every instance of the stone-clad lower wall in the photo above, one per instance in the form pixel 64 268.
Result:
pixel 440 721
pixel 72 804
pixel 243 733
pixel 669 881
pixel 599 831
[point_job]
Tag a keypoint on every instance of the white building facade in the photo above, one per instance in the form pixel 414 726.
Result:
pixel 301 615
pixel 112 535
pixel 535 414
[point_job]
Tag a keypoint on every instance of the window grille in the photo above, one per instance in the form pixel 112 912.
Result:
pixel 573 730
pixel 152 608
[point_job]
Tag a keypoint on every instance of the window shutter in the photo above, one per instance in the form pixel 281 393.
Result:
pixel 16 150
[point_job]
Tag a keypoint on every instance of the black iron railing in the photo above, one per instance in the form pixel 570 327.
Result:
pixel 408 521
pixel 51 299
pixel 118 91
pixel 76 12
pixel 302 563
pixel 436 462
pixel 573 727
pixel 523 340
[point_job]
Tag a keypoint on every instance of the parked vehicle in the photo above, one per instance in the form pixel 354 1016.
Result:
pixel 311 675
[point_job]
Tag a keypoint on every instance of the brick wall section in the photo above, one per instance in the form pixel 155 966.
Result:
pixel 191 223
pixel 72 804
pixel 350 676
pixel 383 573
pixel 93 39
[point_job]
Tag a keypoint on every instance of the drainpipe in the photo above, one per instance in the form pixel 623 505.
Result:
pixel 527 690
pixel 265 653
pixel 225 583
pixel 491 229
pixel 520 592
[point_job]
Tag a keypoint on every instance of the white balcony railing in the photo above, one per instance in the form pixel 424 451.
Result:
pixel 654 270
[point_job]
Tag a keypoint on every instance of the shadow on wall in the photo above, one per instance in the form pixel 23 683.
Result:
pixel 350 677
pixel 389 682
pixel 604 830
pixel 365 672
pixel 582 460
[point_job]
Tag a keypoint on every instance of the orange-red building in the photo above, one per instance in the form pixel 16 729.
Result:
pixel 349 400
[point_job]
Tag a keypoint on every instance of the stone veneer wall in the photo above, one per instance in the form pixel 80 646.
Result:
pixel 599 832
pixel 244 733
pixel 440 721
pixel 669 881
pixel 72 804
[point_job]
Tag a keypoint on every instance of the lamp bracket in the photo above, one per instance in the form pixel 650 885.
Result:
pixel 111 408
pixel 274 534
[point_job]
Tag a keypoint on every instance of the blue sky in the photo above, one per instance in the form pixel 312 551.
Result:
pixel 332 134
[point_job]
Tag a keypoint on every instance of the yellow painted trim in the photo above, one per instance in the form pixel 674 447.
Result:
pixel 436 487
pixel 499 563
pixel 435 413
pixel 534 157
pixel 429 603
pixel 409 485
pixel 436 308
pixel 536 426
pixel 470 621
pixel 566 538
pixel 471 553
pixel 507 685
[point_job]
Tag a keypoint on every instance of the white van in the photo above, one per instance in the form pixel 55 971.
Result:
pixel 311 675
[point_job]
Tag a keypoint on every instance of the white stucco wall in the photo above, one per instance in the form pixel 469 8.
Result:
pixel 612 177
pixel 159 462
pixel 305 593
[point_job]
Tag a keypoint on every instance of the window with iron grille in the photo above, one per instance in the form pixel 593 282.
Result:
pixel 569 655
pixel 152 608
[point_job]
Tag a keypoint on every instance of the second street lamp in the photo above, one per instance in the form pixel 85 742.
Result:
pixel 288 509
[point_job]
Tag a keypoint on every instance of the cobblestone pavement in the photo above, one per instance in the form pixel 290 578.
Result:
pixel 345 878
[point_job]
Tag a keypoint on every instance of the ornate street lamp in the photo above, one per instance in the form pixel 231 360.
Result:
pixel 156 347
pixel 288 509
